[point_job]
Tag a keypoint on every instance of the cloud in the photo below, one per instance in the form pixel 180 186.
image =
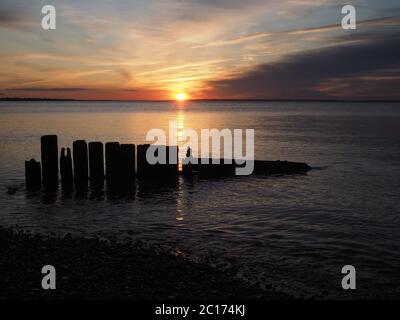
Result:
pixel 40 89
pixel 125 74
pixel 15 16
pixel 154 45
pixel 385 21
pixel 306 75
pixel 10 17
pixel 69 89
pixel 238 40
pixel 383 84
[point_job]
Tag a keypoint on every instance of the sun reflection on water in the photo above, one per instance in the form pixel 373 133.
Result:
pixel 180 136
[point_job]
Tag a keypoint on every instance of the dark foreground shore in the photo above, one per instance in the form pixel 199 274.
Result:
pixel 98 269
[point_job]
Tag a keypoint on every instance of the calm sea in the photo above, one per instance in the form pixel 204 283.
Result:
pixel 294 233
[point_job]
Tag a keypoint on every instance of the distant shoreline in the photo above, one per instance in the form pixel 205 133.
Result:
pixel 12 99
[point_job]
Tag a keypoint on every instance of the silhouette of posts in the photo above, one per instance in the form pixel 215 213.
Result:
pixel 128 163
pixel 67 178
pixel 49 150
pixel 80 153
pixel 113 164
pixel 96 164
pixel 32 174
pixel 120 166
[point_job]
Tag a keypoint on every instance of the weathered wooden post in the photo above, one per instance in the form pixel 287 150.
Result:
pixel 128 163
pixel 96 164
pixel 143 167
pixel 67 180
pixel 113 164
pixel 80 153
pixel 173 161
pixel 32 174
pixel 49 151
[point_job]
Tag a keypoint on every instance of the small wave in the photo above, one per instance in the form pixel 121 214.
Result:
pixel 320 168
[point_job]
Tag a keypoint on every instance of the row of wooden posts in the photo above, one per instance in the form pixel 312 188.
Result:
pixel 86 163
pixel 125 162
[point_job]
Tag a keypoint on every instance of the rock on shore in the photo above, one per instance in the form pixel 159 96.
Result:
pixel 89 268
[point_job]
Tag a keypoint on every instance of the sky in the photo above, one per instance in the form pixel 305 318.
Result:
pixel 207 49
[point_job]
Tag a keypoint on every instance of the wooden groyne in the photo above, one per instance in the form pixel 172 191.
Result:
pixel 227 167
pixel 120 165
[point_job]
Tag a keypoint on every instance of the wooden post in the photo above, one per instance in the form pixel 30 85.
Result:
pixel 80 153
pixel 128 163
pixel 143 167
pixel 113 164
pixel 160 169
pixel 164 171
pixel 49 150
pixel 66 170
pixel 32 174
pixel 96 164
pixel 173 161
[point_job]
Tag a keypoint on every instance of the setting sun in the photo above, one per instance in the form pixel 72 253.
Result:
pixel 180 96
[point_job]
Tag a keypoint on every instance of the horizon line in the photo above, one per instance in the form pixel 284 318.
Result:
pixel 196 100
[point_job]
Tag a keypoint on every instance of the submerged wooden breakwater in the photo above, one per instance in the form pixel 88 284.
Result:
pixel 227 167
pixel 119 165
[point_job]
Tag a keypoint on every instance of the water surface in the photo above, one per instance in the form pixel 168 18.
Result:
pixel 292 232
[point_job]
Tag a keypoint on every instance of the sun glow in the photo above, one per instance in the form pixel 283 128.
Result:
pixel 181 96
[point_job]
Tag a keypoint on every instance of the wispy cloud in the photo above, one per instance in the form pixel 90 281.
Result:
pixel 311 74
pixel 39 89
